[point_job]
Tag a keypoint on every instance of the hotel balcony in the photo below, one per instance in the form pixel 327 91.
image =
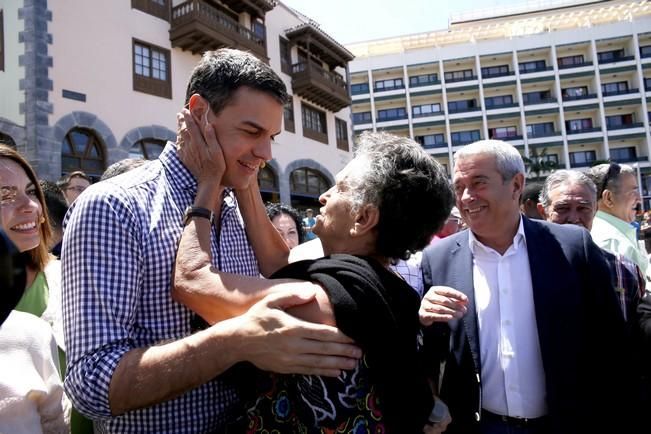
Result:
pixel 325 88
pixel 198 26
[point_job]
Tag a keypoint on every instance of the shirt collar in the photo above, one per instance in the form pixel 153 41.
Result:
pixel 519 241
pixel 619 224
pixel 181 177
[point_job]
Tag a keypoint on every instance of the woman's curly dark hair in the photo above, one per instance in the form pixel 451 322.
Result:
pixel 274 209
pixel 409 187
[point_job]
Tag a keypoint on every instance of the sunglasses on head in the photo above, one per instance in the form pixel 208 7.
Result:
pixel 613 172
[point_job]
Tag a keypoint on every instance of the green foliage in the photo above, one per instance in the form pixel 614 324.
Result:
pixel 537 163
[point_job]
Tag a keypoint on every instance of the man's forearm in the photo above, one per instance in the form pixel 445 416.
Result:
pixel 148 376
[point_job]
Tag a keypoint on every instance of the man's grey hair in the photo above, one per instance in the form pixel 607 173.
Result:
pixel 565 177
pixel 598 174
pixel 507 159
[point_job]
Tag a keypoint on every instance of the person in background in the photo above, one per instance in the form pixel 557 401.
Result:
pixel 529 200
pixel 26 223
pixel 73 184
pixel 122 166
pixel 532 336
pixel 308 222
pixel 32 399
pixel 618 198
pixel 56 211
pixel 287 222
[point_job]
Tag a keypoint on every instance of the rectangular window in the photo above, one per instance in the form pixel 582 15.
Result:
pixel 614 88
pixel 645 51
pixel 498 101
pixel 151 69
pixel 341 128
pixel 502 132
pixel 389 84
pixel 550 157
pixel 611 56
pixel 540 130
pixel 314 124
pixel 157 8
pixel 465 137
pixel 431 141
pixel 533 66
pixel 423 80
pixel 359 88
pixel 619 121
pixel 582 158
pixel 575 92
pixel 537 97
pixel 2 40
pixel 570 61
pixel 362 118
pixel 495 71
pixel 623 155
pixel 391 114
pixel 288 115
pixel 425 110
pixel 578 125
pixel 461 106
pixel 285 56
pixel 452 76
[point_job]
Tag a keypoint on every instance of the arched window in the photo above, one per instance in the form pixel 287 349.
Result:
pixel 7 140
pixel 149 149
pixel 268 182
pixel 306 187
pixel 82 150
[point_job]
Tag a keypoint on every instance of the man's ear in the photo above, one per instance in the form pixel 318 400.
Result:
pixel 607 198
pixel 198 106
pixel 518 185
pixel 366 220
pixel 541 210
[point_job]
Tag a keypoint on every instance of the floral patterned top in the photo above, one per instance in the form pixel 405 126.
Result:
pixel 313 404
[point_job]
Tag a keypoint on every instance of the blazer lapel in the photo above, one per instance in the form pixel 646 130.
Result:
pixel 462 281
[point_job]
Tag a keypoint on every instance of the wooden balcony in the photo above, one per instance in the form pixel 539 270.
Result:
pixel 197 26
pixel 325 88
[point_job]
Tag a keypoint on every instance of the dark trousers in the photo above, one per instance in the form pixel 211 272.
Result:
pixel 494 424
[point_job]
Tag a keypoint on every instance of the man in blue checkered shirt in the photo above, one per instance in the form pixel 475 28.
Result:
pixel 136 363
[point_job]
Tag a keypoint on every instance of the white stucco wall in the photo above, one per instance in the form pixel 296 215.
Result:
pixel 93 56
pixel 10 78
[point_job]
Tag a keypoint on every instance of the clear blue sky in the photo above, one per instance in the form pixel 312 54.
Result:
pixel 363 20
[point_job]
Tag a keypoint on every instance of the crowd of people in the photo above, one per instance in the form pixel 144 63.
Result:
pixel 168 298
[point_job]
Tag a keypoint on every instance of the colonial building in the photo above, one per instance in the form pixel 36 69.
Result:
pixel 85 83
pixel 570 80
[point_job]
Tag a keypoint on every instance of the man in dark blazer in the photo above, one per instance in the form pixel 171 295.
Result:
pixel 531 340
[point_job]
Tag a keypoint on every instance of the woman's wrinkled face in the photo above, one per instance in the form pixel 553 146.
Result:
pixel 19 206
pixel 286 227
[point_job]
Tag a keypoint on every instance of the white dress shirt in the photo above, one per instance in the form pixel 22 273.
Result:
pixel 512 374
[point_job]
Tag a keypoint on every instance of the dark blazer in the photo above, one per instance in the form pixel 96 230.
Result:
pixel 580 328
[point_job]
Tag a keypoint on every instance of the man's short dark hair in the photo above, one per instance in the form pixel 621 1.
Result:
pixel 409 187
pixel 275 209
pixel 222 72
pixel 531 192
pixel 122 166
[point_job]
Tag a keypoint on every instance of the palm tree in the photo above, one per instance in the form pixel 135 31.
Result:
pixel 538 163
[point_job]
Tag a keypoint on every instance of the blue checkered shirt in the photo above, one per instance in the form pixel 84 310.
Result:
pixel 119 247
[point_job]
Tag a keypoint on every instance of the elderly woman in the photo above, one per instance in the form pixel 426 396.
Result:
pixel 386 203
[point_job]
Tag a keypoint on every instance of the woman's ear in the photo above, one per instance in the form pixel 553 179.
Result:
pixel 366 220
pixel 198 107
